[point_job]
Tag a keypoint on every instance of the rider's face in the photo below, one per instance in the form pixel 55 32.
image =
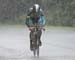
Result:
pixel 34 9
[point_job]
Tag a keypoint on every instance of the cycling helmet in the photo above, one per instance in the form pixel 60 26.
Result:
pixel 36 7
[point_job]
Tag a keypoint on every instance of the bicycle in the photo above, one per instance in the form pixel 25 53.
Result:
pixel 35 40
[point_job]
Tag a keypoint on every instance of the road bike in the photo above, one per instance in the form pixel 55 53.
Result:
pixel 35 40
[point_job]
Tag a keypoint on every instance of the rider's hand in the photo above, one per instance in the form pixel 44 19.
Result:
pixel 44 29
pixel 41 28
pixel 30 28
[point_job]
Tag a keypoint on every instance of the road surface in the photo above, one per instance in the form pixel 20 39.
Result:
pixel 57 44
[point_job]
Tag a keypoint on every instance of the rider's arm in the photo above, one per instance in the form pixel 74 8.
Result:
pixel 42 21
pixel 29 24
pixel 41 12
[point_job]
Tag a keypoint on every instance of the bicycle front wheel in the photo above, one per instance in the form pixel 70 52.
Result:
pixel 34 52
pixel 38 51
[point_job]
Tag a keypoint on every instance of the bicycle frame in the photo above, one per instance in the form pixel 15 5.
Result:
pixel 35 41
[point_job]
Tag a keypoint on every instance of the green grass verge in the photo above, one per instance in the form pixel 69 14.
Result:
pixel 47 27
pixel 60 27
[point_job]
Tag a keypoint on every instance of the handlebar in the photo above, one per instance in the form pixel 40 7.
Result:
pixel 37 26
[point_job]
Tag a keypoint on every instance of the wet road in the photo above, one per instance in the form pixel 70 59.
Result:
pixel 57 44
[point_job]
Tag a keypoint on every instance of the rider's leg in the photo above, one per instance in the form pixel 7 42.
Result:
pixel 31 47
pixel 39 36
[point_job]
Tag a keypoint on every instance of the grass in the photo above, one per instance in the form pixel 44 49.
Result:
pixel 47 27
pixel 61 27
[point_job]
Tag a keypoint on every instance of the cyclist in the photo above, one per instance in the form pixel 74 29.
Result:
pixel 35 12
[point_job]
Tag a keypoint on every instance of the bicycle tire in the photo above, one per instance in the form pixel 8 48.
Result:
pixel 38 51
pixel 34 52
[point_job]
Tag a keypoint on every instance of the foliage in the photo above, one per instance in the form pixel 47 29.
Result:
pixel 57 12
